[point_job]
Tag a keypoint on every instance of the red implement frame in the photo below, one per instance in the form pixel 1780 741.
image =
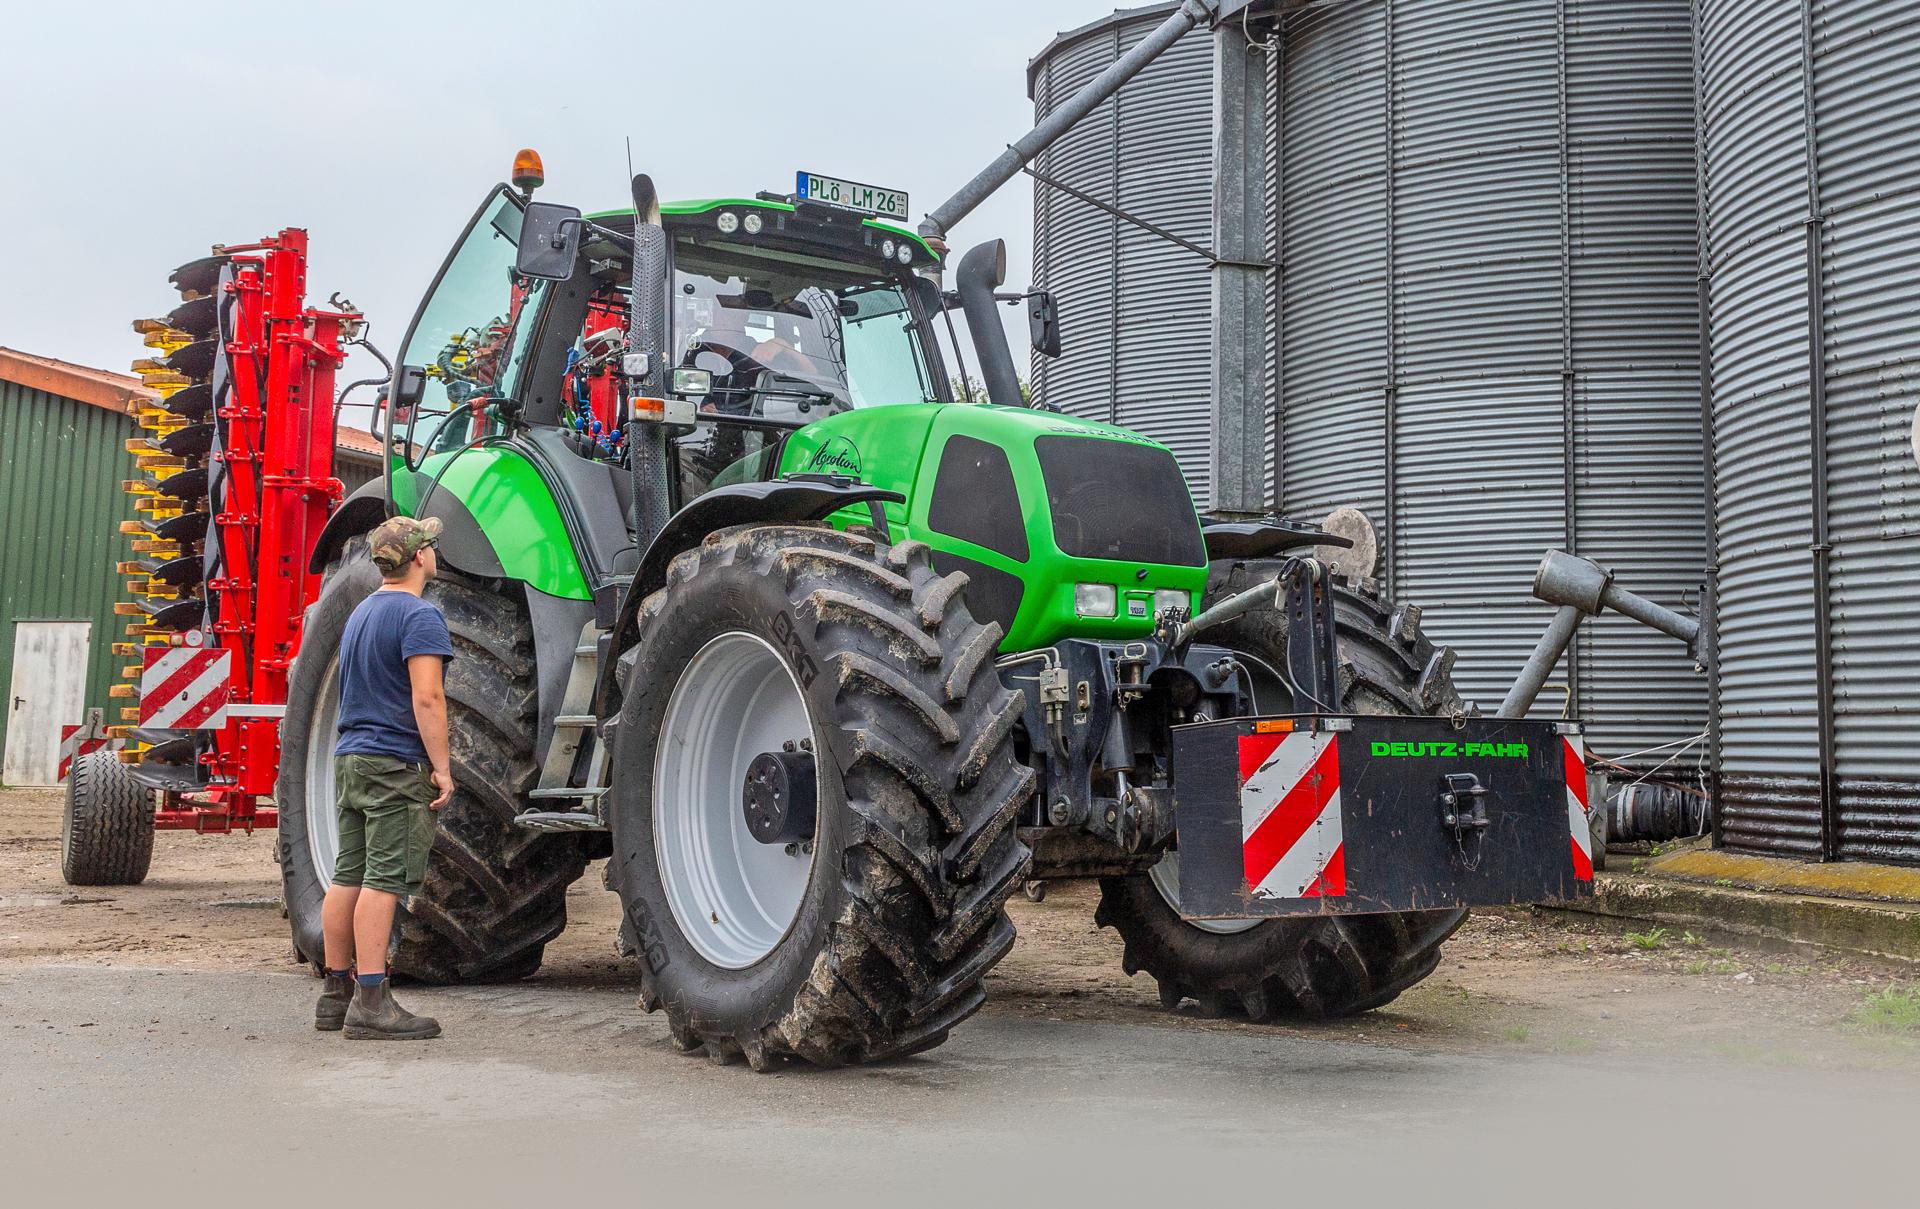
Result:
pixel 277 489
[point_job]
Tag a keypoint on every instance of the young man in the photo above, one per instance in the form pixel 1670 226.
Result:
pixel 390 764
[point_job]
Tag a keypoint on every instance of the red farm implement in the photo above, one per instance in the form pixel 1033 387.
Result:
pixel 235 482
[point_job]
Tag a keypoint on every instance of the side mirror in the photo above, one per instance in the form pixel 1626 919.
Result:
pixel 1043 323
pixel 549 242
pixel 404 393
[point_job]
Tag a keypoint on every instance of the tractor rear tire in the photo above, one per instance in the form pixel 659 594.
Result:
pixel 1308 968
pixel 106 829
pixel 900 912
pixel 494 894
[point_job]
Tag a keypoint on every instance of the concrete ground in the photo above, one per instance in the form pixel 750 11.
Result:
pixel 155 1042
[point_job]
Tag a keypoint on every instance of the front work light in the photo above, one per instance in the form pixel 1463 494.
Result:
pixel 728 222
pixel 753 223
pixel 1095 600
pixel 692 383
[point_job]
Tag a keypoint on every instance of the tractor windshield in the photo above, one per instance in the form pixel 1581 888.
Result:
pixel 794 337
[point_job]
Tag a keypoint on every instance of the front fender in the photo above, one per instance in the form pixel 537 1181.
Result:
pixel 782 501
pixel 357 514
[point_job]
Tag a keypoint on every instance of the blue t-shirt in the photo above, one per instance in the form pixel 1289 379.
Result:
pixel 376 694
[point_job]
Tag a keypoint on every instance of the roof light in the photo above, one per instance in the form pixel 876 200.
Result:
pixel 906 252
pixel 753 223
pixel 528 172
pixel 728 222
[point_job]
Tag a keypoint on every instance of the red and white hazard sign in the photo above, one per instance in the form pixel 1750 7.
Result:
pixel 1579 814
pixel 1290 833
pixel 77 741
pixel 185 688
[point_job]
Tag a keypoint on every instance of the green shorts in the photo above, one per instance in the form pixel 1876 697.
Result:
pixel 386 825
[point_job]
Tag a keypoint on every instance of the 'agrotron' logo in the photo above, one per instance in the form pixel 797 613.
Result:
pixel 837 456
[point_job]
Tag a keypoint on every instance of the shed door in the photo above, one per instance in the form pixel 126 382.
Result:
pixel 48 692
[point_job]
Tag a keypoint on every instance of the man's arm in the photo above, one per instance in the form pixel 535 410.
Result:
pixel 427 674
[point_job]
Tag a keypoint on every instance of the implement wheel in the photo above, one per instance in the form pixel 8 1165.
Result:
pixel 494 894
pixel 814 799
pixel 1306 968
pixel 106 829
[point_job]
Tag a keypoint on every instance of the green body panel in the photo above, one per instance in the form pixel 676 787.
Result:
pixel 514 508
pixel 899 448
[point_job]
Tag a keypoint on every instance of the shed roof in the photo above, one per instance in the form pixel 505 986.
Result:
pixel 81 383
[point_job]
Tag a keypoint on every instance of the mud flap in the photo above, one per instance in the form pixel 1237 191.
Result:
pixel 1284 816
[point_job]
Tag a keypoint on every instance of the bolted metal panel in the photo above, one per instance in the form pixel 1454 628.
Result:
pixel 1333 334
pixel 1489 323
pixel 1134 308
pixel 1811 122
pixel 1484 316
pixel 61 463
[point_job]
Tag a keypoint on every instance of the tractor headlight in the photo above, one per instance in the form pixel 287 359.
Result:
pixel 886 249
pixel 906 252
pixel 1095 600
pixel 1169 598
pixel 728 222
pixel 753 223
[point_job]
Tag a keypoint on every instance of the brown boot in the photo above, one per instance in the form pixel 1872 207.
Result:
pixel 374 1016
pixel 331 1012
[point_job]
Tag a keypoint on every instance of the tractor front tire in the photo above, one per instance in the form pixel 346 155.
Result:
pixel 106 828
pixel 871 942
pixel 1317 967
pixel 494 894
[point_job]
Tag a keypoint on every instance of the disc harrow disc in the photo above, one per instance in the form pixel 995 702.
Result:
pixel 184 571
pixel 189 441
pixel 187 527
pixel 197 318
pixel 195 360
pixel 181 615
pixel 197 277
pixel 193 402
pixel 187 485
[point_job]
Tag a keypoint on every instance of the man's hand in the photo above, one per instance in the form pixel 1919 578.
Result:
pixel 445 781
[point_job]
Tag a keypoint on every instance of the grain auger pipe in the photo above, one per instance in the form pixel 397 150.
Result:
pixel 1582 588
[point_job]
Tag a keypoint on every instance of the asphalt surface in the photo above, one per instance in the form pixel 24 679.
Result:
pixel 210 1087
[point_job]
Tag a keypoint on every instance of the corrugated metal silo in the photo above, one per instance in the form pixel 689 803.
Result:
pixel 1810 167
pixel 1485 321
pixel 1133 307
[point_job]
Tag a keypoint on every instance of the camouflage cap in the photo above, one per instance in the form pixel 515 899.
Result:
pixel 394 542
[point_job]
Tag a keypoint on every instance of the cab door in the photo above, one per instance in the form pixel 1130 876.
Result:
pixel 462 347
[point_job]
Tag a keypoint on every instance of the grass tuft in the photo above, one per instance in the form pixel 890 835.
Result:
pixel 1652 938
pixel 1890 1011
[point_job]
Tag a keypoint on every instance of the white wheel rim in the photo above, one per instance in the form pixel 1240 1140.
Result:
pixel 323 821
pixel 1165 877
pixel 733 897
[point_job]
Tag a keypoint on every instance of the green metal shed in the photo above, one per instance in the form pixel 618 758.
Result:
pixel 63 435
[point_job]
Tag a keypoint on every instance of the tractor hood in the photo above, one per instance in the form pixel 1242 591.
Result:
pixel 1065 527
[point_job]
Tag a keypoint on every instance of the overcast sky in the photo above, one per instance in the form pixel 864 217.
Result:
pixel 139 134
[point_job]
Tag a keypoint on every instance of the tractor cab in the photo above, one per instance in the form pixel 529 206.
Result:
pixel 781 312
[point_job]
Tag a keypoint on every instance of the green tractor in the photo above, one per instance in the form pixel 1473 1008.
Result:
pixel 829 664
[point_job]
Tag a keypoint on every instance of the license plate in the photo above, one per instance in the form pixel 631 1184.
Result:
pixel 887 203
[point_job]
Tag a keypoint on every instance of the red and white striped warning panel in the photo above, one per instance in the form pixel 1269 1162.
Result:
pixel 1579 813
pixel 77 741
pixel 1290 815
pixel 185 688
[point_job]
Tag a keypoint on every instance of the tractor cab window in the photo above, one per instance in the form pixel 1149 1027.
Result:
pixel 793 337
pixel 465 336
